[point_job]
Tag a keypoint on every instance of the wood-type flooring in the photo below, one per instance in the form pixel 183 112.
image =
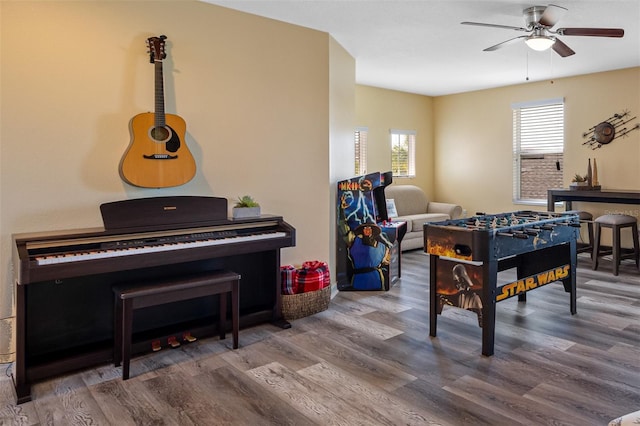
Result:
pixel 369 360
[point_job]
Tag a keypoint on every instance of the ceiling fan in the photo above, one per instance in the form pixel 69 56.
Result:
pixel 539 20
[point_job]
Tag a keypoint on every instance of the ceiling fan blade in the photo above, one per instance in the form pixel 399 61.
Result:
pixel 506 27
pixel 551 15
pixel 503 44
pixel 593 32
pixel 562 49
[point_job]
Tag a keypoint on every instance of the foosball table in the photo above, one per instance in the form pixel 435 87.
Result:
pixel 467 254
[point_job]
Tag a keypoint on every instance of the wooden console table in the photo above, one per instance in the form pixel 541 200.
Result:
pixel 602 196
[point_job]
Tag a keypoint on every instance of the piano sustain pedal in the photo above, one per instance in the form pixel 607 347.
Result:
pixel 173 342
pixel 156 346
pixel 187 337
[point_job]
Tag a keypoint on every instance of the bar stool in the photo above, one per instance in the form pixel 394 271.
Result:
pixel 585 217
pixel 616 222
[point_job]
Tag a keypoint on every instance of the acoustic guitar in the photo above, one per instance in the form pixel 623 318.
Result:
pixel 157 156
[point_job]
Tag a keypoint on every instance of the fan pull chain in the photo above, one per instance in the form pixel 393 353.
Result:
pixel 551 66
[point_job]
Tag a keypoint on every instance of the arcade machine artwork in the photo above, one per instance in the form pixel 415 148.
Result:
pixel 368 244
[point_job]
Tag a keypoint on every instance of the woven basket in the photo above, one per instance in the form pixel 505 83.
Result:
pixel 302 305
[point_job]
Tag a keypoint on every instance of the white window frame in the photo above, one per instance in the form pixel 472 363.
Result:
pixel 361 136
pixel 401 137
pixel 538 129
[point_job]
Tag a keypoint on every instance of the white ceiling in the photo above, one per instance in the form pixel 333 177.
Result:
pixel 419 46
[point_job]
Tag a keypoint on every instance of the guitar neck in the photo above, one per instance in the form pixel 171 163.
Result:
pixel 159 94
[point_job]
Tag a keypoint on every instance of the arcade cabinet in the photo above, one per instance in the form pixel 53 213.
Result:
pixel 368 253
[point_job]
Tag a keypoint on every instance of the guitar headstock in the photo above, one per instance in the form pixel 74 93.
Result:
pixel 156 48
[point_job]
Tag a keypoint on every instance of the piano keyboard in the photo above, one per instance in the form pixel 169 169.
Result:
pixel 153 248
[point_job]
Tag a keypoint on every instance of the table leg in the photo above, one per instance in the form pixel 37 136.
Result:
pixel 433 295
pixel 490 279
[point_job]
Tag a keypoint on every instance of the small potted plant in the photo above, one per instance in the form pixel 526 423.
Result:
pixel 579 181
pixel 246 206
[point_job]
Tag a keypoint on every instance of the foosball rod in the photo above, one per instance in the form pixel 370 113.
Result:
pixel 520 235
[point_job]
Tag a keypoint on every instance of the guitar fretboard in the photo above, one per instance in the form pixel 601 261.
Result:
pixel 159 94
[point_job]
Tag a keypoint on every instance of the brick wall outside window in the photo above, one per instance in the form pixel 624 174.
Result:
pixel 539 173
pixel 538 146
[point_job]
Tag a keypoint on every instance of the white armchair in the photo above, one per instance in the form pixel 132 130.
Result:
pixel 414 207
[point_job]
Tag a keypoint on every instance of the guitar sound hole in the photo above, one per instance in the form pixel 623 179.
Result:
pixel 160 134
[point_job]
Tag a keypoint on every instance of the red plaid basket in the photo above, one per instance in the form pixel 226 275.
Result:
pixel 305 290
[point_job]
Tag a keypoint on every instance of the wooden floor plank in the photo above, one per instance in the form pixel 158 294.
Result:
pixel 456 410
pixel 122 405
pixel 588 380
pixel 12 414
pixel 500 401
pixel 355 362
pixel 250 404
pixel 374 329
pixel 376 301
pixel 579 406
pixel 370 398
pixel 67 400
pixel 187 399
pixel 313 400
pixel 280 348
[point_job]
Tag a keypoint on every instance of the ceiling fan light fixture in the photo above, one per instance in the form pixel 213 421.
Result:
pixel 540 43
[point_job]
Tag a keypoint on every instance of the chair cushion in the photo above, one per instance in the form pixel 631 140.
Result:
pixel 616 219
pixel 409 199
pixel 582 215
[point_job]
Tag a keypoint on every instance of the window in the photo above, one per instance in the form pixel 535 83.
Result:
pixel 403 153
pixel 538 146
pixel 361 150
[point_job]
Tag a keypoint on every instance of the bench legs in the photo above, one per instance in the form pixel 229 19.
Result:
pixel 235 309
pixel 127 301
pixel 235 320
pixel 117 331
pixel 127 327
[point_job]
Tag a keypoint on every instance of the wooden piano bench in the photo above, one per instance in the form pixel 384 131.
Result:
pixel 132 297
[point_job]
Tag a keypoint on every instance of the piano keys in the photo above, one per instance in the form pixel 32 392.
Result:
pixel 77 250
pixel 63 279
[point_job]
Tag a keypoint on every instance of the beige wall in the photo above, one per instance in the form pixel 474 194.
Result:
pixel 342 154
pixel 255 94
pixel 381 110
pixel 473 139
